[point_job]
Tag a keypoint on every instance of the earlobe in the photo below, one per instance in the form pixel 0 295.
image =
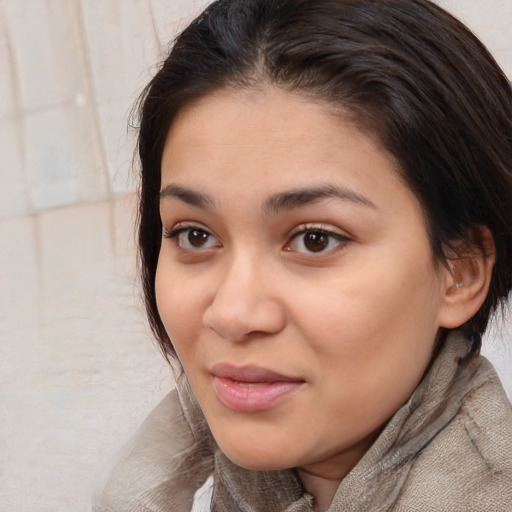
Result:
pixel 467 280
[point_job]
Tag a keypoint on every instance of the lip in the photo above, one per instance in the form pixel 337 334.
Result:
pixel 251 388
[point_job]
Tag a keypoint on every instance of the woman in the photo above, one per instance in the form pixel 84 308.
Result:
pixel 325 229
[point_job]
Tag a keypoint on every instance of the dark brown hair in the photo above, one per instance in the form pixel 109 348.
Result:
pixel 406 71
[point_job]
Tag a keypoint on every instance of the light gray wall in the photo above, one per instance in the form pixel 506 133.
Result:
pixel 77 369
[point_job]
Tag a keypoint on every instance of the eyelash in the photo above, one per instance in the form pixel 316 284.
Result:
pixel 180 229
pixel 317 230
pixel 321 230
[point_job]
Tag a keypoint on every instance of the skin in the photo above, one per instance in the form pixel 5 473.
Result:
pixel 355 322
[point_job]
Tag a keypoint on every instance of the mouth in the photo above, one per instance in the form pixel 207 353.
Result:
pixel 250 388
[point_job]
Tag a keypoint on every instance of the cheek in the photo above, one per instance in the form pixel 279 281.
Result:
pixel 182 296
pixel 173 302
pixel 367 303
pixel 375 324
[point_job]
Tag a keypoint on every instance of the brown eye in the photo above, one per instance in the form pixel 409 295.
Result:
pixel 192 238
pixel 197 238
pixel 316 242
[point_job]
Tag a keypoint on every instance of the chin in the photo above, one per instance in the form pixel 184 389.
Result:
pixel 257 460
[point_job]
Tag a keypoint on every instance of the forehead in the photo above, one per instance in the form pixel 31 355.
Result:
pixel 255 143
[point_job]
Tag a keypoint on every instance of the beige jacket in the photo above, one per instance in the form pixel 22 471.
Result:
pixel 449 448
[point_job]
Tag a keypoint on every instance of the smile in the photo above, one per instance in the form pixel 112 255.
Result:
pixel 251 389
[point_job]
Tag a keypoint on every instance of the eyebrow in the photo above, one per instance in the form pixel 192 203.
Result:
pixel 187 196
pixel 303 196
pixel 278 203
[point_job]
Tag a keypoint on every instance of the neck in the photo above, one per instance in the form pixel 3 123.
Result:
pixel 321 487
pixel 322 479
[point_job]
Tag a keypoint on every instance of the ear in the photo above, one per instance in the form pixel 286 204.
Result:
pixel 467 280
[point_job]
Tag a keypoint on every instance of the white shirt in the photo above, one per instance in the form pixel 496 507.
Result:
pixel 203 497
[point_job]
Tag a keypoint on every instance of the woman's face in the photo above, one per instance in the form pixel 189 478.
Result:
pixel 295 278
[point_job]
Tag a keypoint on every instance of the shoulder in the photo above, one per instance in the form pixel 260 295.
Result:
pixel 159 469
pixel 468 465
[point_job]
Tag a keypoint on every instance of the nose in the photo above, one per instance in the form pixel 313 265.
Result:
pixel 245 303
